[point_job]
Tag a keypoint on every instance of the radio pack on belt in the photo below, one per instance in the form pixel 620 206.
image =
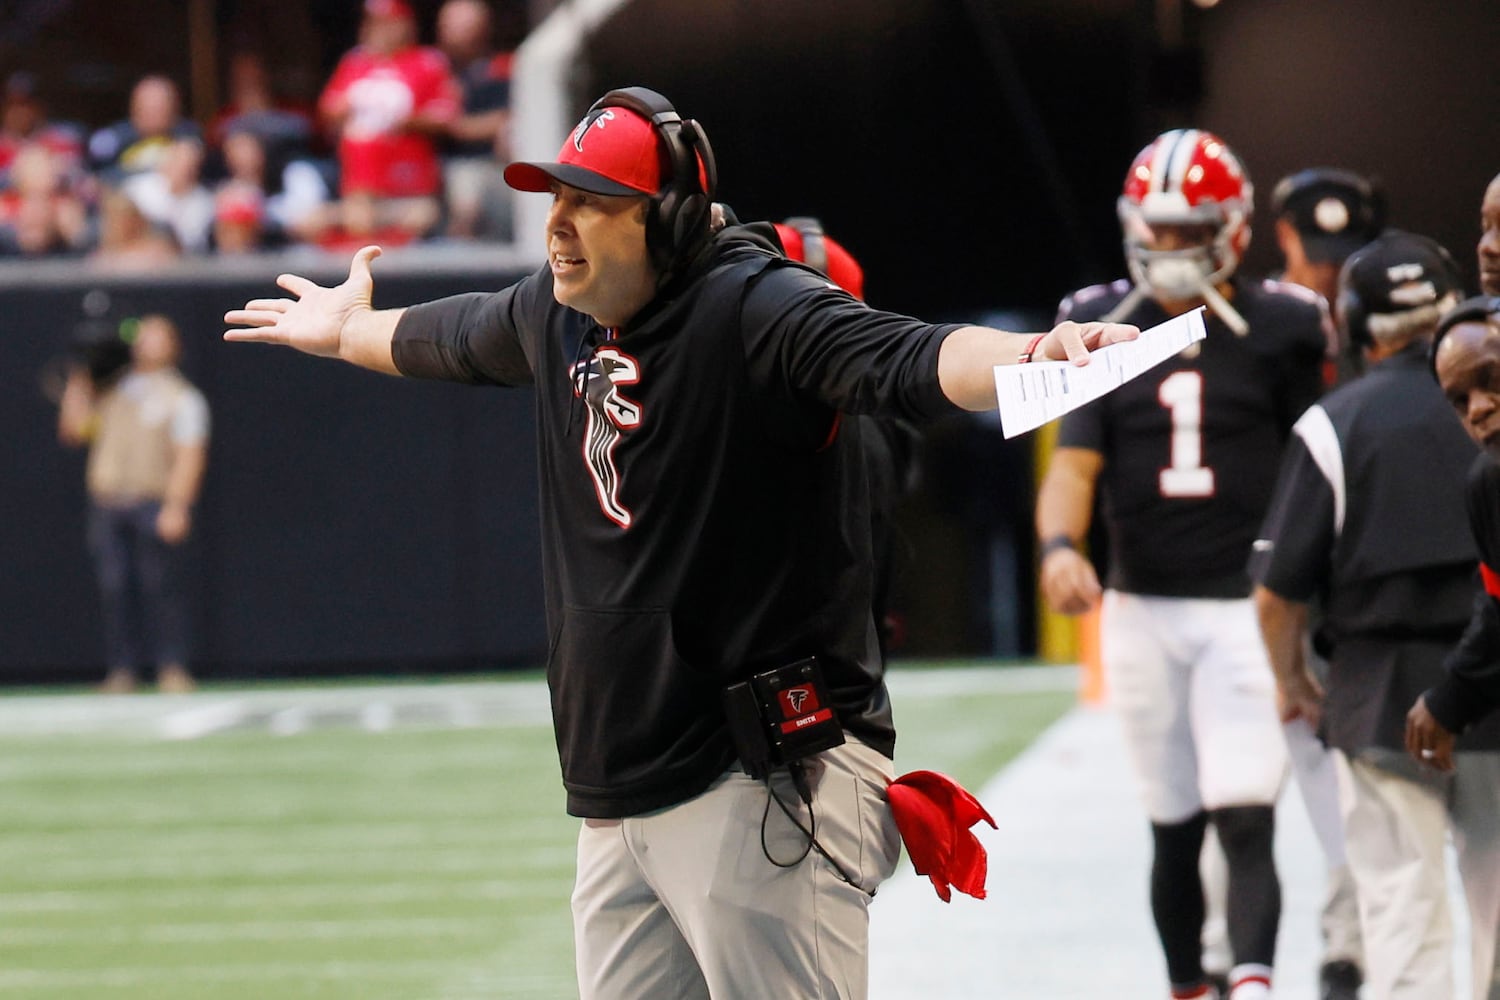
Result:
pixel 781 716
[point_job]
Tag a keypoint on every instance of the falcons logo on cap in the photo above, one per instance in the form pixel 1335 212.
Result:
pixel 596 120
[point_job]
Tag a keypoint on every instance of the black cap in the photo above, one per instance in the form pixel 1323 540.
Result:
pixel 1334 211
pixel 1398 282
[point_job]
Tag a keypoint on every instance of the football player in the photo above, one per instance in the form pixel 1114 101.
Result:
pixel 1184 458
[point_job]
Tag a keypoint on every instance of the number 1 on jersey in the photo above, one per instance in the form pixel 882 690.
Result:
pixel 1182 394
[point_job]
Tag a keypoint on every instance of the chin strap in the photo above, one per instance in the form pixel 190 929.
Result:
pixel 1222 309
pixel 934 813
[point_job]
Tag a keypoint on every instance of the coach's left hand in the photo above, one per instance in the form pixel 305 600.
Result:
pixel 1427 740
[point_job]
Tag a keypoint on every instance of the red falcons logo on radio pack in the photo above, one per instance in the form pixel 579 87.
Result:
pixel 797 701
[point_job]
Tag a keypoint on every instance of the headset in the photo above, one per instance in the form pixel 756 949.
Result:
pixel 1479 309
pixel 677 224
pixel 1355 311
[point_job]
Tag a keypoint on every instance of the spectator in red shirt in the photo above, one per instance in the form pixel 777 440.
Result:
pixel 389 100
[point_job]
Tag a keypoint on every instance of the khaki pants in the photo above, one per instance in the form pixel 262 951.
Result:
pixel 1396 816
pixel 682 903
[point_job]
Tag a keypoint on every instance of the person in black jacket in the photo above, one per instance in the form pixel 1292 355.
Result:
pixel 700 526
pixel 1367 521
pixel 1466 361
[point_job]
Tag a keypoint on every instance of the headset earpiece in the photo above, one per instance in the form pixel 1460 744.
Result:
pixel 1351 313
pixel 679 217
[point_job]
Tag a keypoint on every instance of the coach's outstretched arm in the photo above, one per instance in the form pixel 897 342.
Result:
pixel 968 355
pixel 336 322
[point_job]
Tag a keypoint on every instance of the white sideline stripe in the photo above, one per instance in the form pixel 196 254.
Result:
pixel 304 893
pixel 941 682
pixel 213 932
pixel 193 723
pixel 289 721
pixel 374 861
pixel 137 975
pixel 517 835
pixel 376 708
pixel 377 717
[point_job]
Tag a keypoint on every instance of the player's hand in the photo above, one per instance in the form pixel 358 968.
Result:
pixel 1426 739
pixel 1302 698
pixel 172 523
pixel 314 320
pixel 1068 582
pixel 1069 341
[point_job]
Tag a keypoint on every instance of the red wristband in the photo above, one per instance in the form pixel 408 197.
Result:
pixel 1030 348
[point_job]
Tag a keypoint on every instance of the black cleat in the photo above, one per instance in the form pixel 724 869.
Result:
pixel 1340 980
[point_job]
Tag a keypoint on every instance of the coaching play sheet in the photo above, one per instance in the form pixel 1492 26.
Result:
pixel 1032 394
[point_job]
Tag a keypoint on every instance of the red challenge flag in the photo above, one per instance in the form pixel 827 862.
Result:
pixel 934 813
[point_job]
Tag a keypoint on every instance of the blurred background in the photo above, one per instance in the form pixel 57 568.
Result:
pixel 968 152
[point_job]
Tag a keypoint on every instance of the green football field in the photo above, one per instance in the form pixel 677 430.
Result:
pixel 351 842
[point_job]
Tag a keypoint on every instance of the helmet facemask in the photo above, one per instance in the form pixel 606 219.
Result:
pixel 1190 261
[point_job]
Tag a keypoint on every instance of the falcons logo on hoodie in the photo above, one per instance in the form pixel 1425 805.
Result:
pixel 597 380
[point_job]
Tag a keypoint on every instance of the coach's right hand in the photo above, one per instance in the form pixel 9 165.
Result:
pixel 314 321
pixel 1069 582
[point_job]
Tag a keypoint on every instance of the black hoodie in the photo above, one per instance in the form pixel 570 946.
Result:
pixel 704 510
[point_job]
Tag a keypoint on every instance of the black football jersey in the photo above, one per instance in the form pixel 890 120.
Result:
pixel 1192 446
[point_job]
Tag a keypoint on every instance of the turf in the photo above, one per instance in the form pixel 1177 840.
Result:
pixel 409 863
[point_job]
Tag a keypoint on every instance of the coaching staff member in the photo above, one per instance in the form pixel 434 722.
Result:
pixel 1466 361
pixel 1368 515
pixel 698 527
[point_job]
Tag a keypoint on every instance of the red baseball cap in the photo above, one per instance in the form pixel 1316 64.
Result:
pixel 612 151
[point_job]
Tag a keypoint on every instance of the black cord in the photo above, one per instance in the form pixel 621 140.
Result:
pixel 799 779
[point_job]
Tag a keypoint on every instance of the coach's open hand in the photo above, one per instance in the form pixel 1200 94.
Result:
pixel 336 322
pixel 312 322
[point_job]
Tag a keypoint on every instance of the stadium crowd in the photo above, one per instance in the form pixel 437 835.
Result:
pixel 404 144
